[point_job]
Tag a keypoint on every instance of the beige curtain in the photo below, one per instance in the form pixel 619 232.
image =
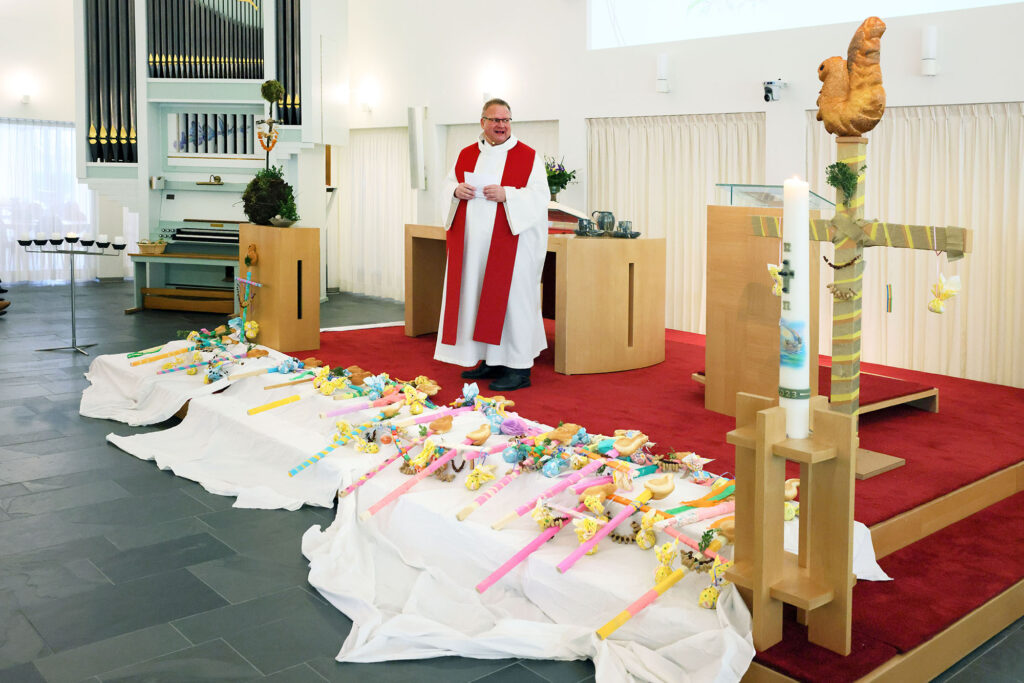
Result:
pixel 660 172
pixel 375 204
pixel 942 165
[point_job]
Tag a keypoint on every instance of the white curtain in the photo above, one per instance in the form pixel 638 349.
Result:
pixel 660 172
pixel 942 165
pixel 39 192
pixel 376 202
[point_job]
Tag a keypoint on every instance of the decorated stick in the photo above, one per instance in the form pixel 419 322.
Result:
pixel 247 281
pixel 548 493
pixel 362 405
pixel 573 513
pixel 644 600
pixel 533 545
pixel 288 365
pixel 563 434
pixel 379 468
pixel 417 478
pixel 274 404
pixel 489 493
pixel 663 515
pixel 288 384
pixel 196 365
pixel 319 455
pixel 696 515
pixel 656 489
pixel 161 356
pixel 145 352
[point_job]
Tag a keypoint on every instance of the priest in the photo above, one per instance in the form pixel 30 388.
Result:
pixel 497 231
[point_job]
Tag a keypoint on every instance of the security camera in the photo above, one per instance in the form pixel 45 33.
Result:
pixel 772 88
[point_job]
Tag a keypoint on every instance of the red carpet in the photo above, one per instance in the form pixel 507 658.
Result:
pixel 934 585
pixel 971 437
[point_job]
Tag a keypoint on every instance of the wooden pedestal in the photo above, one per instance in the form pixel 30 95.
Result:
pixel 819 581
pixel 287 305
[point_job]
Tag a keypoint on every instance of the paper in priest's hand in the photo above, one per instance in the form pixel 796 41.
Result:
pixel 480 181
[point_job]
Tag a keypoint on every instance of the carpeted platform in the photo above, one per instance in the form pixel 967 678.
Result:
pixel 969 439
pixel 935 582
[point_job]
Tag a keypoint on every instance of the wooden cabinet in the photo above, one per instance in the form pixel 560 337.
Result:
pixel 287 304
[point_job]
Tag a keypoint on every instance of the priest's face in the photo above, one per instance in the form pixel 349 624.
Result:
pixel 497 124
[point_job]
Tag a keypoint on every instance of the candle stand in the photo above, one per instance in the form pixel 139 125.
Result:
pixel 71 251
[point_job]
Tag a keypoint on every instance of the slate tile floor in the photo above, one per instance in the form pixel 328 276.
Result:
pixel 112 570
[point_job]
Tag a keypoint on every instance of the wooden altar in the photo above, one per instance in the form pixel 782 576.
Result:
pixel 606 295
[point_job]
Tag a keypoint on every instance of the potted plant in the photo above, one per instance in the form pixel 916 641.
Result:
pixel 558 176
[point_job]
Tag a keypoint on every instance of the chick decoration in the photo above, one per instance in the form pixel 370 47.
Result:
pixel 852 99
pixel 942 291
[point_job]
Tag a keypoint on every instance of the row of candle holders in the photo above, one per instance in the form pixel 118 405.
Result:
pixel 71 240
pixel 100 241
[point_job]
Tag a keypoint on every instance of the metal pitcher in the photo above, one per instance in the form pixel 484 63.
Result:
pixel 605 221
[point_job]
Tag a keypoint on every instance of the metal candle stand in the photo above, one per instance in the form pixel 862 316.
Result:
pixel 71 252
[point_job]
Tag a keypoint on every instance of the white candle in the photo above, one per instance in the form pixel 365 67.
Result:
pixel 794 341
pixel 40 235
pixel 24 237
pixel 118 240
pixel 56 236
pixel 102 238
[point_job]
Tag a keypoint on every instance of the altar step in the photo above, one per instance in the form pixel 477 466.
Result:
pixel 952 590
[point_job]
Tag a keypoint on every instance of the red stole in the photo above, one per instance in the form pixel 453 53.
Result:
pixel 490 315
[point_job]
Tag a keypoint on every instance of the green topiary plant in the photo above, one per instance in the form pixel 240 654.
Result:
pixel 268 195
pixel 272 91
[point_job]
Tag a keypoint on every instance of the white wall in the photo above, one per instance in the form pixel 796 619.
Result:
pixel 37 39
pixel 436 54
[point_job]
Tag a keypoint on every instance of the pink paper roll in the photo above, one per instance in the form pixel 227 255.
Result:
pixel 362 405
pixel 533 545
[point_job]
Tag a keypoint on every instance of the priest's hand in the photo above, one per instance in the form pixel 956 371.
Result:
pixel 465 191
pixel 495 193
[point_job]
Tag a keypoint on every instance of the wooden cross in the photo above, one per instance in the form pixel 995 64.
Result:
pixel 850 234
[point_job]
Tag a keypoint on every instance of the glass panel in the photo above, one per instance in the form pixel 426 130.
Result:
pixel 734 194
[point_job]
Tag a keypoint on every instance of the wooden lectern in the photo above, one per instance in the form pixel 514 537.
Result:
pixel 742 352
pixel 287 304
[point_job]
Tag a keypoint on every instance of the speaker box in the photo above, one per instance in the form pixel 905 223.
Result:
pixel 417 159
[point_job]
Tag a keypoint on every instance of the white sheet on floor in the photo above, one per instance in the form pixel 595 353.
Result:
pixel 139 396
pixel 232 453
pixel 406 578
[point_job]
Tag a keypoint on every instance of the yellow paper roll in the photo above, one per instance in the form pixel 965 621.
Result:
pixel 274 404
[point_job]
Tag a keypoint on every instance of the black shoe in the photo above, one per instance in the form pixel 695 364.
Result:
pixel 513 379
pixel 485 371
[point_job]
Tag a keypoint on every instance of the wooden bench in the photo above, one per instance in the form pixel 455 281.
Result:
pixel 152 291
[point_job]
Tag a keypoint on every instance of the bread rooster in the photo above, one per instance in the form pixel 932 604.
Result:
pixel 852 99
